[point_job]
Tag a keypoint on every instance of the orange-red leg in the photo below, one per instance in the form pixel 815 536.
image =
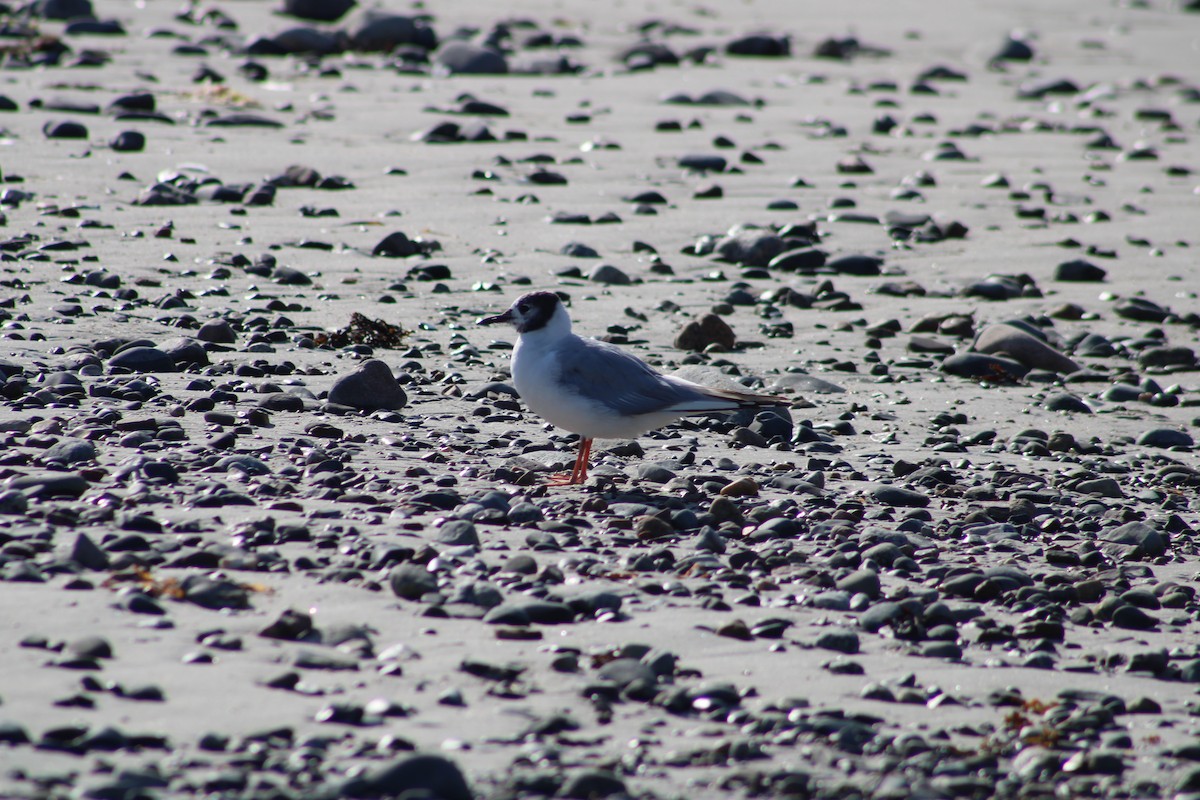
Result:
pixel 579 471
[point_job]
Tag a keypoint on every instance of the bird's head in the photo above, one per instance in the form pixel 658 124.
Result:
pixel 531 312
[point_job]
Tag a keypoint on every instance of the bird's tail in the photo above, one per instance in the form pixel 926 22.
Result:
pixel 747 399
pixel 709 399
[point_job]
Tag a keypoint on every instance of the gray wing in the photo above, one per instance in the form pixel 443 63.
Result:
pixel 608 375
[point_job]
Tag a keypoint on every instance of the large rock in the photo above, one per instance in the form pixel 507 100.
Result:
pixel 1149 540
pixel 63 9
pixel 1024 347
pixel 371 387
pixel 380 31
pixel 751 248
pixel 983 367
pixel 143 359
pixel 317 10
pixel 708 330
pixel 418 775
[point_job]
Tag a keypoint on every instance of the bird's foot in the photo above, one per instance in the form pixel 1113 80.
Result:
pixel 564 479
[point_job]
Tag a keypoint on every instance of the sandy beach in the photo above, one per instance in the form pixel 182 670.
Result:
pixel 273 521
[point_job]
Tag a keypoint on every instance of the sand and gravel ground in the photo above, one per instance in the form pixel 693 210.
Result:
pixel 962 564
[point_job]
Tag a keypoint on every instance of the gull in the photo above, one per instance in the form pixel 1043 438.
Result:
pixel 597 390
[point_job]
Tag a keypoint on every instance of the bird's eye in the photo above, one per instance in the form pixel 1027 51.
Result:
pixel 522 308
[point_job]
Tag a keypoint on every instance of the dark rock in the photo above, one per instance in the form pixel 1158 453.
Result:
pixel 457 533
pixel 396 245
pixel 856 265
pixel 52 484
pixel 1140 310
pixel 708 330
pixel 839 641
pixel 217 331
pixel 1065 401
pixel 610 275
pixel 412 581
pixel 370 387
pixel 753 248
pixel 1167 357
pixel 70 451
pixel 593 784
pixel 1149 540
pixel 317 10
pixel 86 554
pixel 525 612
pixel 1024 347
pixel 899 496
pixel 703 163
pixel 1133 618
pixel 863 581
pixel 413 776
pixel 128 142
pixel 978 366
pixel 1079 270
pixel 65 129
pixel 214 593
pixel 466 58
pixel 762 45
pixel 378 31
pixel 143 359
pixel 242 120
pixel 1166 437
pixel 62 9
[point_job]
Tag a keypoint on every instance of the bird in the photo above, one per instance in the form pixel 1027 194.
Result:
pixel 595 389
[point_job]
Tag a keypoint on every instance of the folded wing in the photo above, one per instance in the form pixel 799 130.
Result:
pixel 631 387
